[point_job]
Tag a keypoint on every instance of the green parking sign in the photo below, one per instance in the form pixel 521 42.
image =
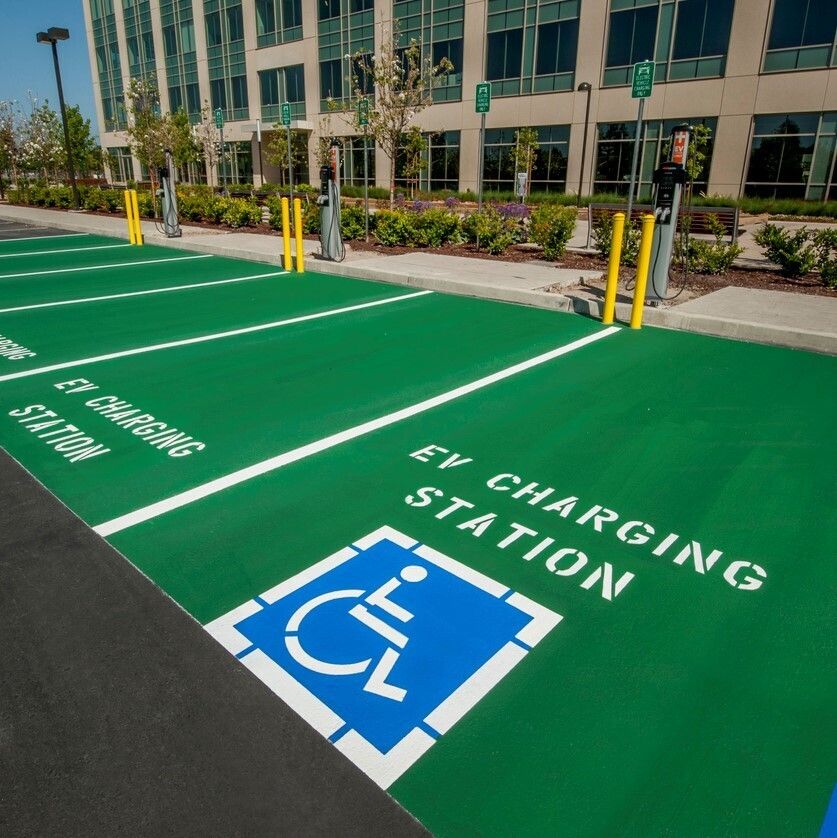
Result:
pixel 483 97
pixel 643 80
pixel 363 111
pixel 286 113
pixel 219 118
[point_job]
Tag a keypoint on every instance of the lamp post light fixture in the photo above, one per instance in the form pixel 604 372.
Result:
pixel 584 87
pixel 52 36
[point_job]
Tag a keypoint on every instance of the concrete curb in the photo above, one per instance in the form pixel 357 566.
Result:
pixel 667 318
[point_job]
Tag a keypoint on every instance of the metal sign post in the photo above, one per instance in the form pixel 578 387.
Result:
pixel 259 146
pixel 363 121
pixel 286 121
pixel 641 87
pixel 219 124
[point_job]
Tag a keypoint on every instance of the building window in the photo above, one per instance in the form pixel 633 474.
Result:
pixel 630 39
pixel 441 158
pixel 701 38
pixel 226 60
pixel 238 165
pixel 278 21
pixel 283 84
pixel 531 46
pixel 331 79
pixel 549 169
pixel 505 54
pixel 793 156
pixel 329 9
pixel 353 150
pixel 686 39
pixel 614 152
pixel 121 164
pixel 802 35
pixel 557 46
pixel 439 27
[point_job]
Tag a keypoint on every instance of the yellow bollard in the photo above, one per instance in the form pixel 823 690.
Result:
pixel 613 268
pixel 300 253
pixel 643 261
pixel 129 215
pixel 137 223
pixel 286 234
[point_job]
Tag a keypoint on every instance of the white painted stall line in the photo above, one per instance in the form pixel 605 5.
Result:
pixel 48 236
pixel 139 293
pixel 104 267
pixel 220 484
pixel 126 353
pixel 63 250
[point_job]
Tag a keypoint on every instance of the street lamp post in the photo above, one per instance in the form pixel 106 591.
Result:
pixel 52 36
pixel 584 87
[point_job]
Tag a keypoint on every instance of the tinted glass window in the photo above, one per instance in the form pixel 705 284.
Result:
pixel 291 13
pixel 632 35
pixel 265 17
pixel 504 54
pixel 451 50
pixel 330 81
pixel 295 83
pixel 329 9
pixel 235 23
pixel 213 29
pixel 557 44
pixel 702 28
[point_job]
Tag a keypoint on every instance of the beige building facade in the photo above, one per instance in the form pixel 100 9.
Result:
pixel 761 74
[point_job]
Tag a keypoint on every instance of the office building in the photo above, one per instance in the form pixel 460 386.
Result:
pixel 762 74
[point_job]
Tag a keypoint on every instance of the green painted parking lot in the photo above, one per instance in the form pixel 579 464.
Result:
pixel 664 503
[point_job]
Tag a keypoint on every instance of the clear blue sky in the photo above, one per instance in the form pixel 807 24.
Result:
pixel 26 65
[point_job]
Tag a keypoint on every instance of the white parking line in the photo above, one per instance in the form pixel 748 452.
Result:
pixel 48 236
pixel 103 267
pixel 205 338
pixel 63 250
pixel 146 513
pixel 139 293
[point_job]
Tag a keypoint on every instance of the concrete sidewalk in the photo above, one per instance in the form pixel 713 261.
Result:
pixel 784 319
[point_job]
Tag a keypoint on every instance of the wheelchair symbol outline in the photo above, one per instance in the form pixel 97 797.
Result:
pixel 377 682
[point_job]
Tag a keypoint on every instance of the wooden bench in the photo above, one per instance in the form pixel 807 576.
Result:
pixel 698 217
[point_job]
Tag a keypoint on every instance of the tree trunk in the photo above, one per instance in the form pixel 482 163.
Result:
pixel 392 182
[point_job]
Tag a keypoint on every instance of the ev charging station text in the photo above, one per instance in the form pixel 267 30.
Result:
pixel 541 546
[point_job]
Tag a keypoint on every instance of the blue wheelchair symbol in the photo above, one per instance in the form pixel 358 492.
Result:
pixel 384 646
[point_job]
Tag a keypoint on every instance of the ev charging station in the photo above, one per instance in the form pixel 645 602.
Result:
pixel 168 197
pixel 669 180
pixel 331 239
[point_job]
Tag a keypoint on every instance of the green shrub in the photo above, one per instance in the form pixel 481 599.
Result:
pixel 15 196
pixel 274 207
pixel 791 250
pixel 825 245
pixel 552 227
pixel 310 217
pixel 704 257
pixel 352 222
pixel 241 212
pixel 435 227
pixel 377 192
pixel 145 204
pixel 602 236
pixel 394 228
pixel 489 229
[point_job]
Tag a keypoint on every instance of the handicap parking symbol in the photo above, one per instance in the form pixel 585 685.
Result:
pixel 384 646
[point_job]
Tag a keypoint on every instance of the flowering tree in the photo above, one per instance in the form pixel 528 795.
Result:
pixel 9 143
pixel 402 81
pixel 208 139
pixel 42 148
